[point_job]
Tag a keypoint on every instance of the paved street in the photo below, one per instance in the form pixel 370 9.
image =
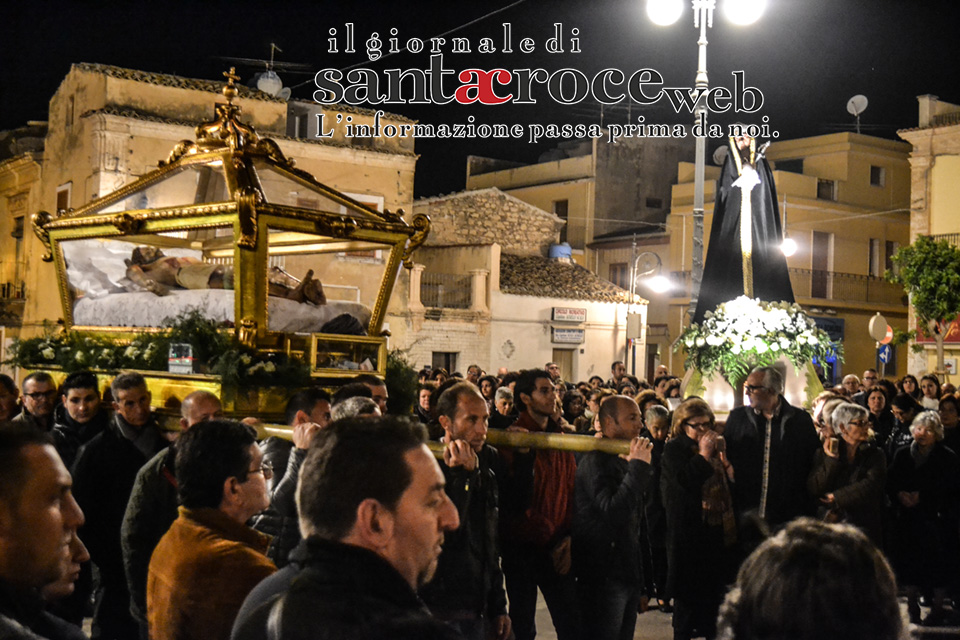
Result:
pixel 654 625
pixel 651 625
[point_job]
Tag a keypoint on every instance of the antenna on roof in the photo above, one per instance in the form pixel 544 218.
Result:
pixel 857 105
pixel 268 81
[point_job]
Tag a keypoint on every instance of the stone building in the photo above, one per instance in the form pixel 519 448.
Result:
pixel 935 202
pixel 596 187
pixel 485 291
pixel 845 200
pixel 108 125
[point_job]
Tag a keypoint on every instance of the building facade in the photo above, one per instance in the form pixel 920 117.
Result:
pixel 844 198
pixel 485 291
pixel 108 125
pixel 597 188
pixel 935 204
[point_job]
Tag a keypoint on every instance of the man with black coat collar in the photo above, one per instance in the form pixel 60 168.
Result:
pixel 104 474
pixel 373 512
pixel 608 504
pixel 80 416
pixel 467 590
pixel 35 534
pixel 771 444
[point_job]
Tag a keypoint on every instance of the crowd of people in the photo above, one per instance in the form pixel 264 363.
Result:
pixel 354 528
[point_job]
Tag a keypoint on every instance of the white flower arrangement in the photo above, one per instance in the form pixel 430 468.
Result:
pixel 745 333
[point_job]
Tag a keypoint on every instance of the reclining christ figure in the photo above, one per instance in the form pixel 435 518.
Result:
pixel 157 273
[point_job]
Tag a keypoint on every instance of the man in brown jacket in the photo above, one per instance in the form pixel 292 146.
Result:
pixel 209 560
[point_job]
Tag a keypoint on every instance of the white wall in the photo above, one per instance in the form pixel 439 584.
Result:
pixel 520 337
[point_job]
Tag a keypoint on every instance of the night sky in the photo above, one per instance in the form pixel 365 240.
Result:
pixel 808 57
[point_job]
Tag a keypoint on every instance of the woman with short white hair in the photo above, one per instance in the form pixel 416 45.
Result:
pixel 924 485
pixel 850 472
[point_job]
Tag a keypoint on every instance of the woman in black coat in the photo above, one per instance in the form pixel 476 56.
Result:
pixel 923 489
pixel 701 533
pixel 881 418
pixel 904 408
pixel 849 474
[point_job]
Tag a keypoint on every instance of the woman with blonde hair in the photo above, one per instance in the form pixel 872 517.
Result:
pixel 701 533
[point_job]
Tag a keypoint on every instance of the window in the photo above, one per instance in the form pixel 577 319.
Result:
pixel 874 268
pixel 826 189
pixel 63 196
pixel 620 275
pixel 69 115
pixel 878 176
pixel 890 249
pixel 300 125
pixel 445 360
pixel 821 264
pixel 654 203
pixel 18 236
pixel 793 166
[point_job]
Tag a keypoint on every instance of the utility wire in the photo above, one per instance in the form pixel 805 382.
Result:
pixel 440 35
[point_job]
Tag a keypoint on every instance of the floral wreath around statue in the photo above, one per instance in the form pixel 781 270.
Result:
pixel 745 333
pixel 216 351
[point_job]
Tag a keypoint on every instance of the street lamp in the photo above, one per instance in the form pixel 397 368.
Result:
pixel 789 246
pixel 664 13
pixel 658 283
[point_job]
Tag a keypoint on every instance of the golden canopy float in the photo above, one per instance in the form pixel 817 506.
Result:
pixel 227 225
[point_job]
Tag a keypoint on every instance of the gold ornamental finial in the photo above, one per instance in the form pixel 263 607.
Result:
pixel 230 90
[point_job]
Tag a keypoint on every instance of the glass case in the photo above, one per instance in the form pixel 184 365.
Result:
pixel 228 226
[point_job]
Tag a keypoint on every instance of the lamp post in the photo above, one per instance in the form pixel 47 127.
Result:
pixel 665 13
pixel 658 284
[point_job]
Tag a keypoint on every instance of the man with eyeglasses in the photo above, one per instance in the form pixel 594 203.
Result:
pixel 39 399
pixel 869 380
pixel 771 445
pixel 209 560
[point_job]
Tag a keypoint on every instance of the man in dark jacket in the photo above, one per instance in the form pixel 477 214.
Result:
pixel 152 507
pixel 771 446
pixel 39 399
pixel 606 525
pixel 374 512
pixel 467 590
pixel 307 412
pixel 104 473
pixel 536 500
pixel 38 520
pixel 80 417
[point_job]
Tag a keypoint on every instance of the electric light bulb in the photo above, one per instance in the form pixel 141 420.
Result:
pixel 744 12
pixel 664 12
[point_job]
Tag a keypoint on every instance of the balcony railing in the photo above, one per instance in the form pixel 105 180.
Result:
pixel 952 238
pixel 844 287
pixel 12 291
pixel 445 291
pixel 824 285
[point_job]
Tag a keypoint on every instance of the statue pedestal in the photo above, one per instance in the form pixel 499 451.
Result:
pixel 801 386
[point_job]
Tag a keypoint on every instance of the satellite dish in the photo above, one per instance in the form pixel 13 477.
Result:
pixel 269 82
pixel 857 105
pixel 720 154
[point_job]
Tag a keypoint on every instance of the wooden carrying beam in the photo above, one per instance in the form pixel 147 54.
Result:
pixel 513 439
